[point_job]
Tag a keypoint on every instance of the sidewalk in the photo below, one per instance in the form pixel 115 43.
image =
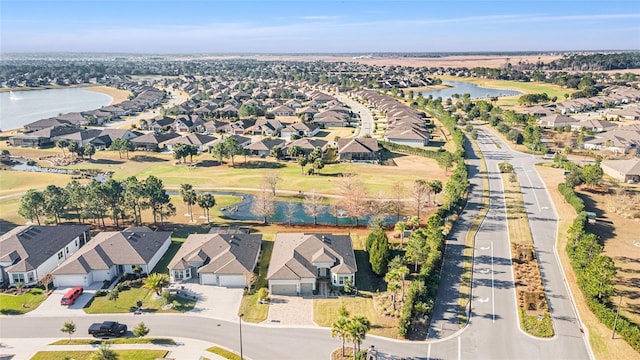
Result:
pixel 24 349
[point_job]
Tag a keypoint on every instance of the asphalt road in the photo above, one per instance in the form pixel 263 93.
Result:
pixel 366 120
pixel 493 331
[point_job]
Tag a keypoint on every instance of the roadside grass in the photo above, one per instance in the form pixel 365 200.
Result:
pixel 520 233
pixel 137 340
pixel 21 304
pixel 326 311
pixel 126 303
pixel 224 353
pixel 88 355
pixel 464 297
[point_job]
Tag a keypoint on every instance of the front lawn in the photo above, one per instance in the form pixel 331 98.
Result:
pixel 224 353
pixel 127 303
pixel 326 311
pixel 88 355
pixel 21 304
pixel 254 312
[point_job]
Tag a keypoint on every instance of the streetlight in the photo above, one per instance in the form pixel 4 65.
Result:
pixel 240 319
pixel 615 322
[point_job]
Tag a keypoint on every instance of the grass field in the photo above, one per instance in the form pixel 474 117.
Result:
pixel 326 311
pixel 126 303
pixel 599 335
pixel 21 304
pixel 88 355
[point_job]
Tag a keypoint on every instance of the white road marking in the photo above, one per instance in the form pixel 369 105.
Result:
pixel 429 352
pixel 533 191
pixel 485 248
pixel 483 271
pixel 483 300
pixel 459 349
pixel 493 291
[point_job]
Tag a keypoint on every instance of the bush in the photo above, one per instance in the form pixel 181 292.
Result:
pixel 101 293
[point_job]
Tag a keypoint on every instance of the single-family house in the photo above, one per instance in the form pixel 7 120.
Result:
pixel 299 129
pixel 220 259
pixel 627 171
pixel 283 110
pixel 28 253
pixel 556 120
pixel 303 263
pixel 263 147
pixel 111 254
pixel 594 125
pixel 153 141
pixel 201 141
pixel 306 145
pixel 268 127
pixel 358 149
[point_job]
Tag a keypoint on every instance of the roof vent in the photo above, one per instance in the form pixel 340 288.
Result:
pixel 322 238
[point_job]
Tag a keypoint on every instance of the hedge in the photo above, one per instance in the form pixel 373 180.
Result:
pixel 570 197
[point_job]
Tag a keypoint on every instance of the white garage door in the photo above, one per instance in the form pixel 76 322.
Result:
pixel 208 279
pixel 71 280
pixel 284 289
pixel 233 281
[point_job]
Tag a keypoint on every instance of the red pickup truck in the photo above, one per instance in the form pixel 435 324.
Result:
pixel 71 295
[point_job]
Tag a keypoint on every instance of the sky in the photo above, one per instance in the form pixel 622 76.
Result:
pixel 349 26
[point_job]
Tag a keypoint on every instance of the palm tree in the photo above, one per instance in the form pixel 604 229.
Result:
pixel 340 329
pixel 206 202
pixel 156 282
pixel 358 328
pixel 189 196
pixel 401 226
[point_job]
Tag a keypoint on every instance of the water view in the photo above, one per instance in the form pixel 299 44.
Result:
pixel 463 87
pixel 18 108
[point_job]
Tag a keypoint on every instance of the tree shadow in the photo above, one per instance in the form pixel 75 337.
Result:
pixel 147 158
pixel 106 161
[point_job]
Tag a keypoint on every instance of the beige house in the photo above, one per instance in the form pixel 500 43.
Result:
pixel 624 170
pixel 304 263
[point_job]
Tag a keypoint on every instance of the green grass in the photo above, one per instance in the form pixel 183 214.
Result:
pixel 161 266
pixel 533 326
pixel 13 304
pixel 127 303
pixel 88 355
pixel 224 353
pixel 156 341
pixel 326 311
pixel 254 312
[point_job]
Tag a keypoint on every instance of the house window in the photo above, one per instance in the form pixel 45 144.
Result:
pixel 67 248
pixel 60 255
pixel 187 274
pixel 76 242
pixel 18 278
pixel 31 276
pixel 178 275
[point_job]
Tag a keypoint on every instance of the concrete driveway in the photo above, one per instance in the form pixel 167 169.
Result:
pixel 51 306
pixel 214 301
pixel 290 310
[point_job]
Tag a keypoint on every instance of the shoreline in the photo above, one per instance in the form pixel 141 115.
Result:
pixel 117 96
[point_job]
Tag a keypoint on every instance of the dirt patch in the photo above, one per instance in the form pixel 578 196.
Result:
pixel 599 335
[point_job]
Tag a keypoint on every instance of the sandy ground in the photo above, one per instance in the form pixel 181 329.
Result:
pixel 117 95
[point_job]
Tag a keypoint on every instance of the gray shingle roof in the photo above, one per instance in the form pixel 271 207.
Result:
pixel 28 247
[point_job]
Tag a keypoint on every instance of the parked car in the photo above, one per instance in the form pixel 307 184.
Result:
pixel 107 328
pixel 70 296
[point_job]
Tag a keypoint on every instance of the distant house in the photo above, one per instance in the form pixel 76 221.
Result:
pixel 594 125
pixel 201 141
pixel 161 124
pixel 47 123
pixel 300 129
pixel 28 253
pixel 266 127
pixel 331 118
pixel 220 259
pixel 358 149
pixel 42 138
pixel 407 135
pixel 283 111
pixel 111 254
pixel 153 141
pixel 303 263
pixel 306 145
pixel 263 147
pixel 556 120
pixel 627 171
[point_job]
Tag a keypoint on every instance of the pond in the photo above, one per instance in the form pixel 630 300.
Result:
pixel 463 87
pixel 242 211
pixel 22 165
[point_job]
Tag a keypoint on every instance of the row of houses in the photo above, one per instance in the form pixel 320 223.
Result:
pixel 405 125
pixel 622 140
pixel 615 96
pixel 299 264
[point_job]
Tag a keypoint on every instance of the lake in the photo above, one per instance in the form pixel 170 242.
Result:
pixel 19 108
pixel 463 87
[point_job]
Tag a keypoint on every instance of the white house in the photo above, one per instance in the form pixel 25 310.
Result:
pixel 303 263
pixel 219 259
pixel 28 253
pixel 111 254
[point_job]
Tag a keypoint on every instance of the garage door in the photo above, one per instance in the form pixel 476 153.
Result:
pixel 70 280
pixel 208 279
pixel 306 289
pixel 233 281
pixel 284 290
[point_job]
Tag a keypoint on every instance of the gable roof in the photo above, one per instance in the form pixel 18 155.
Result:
pixel 115 248
pixel 294 255
pixel 28 247
pixel 222 253
pixel 357 145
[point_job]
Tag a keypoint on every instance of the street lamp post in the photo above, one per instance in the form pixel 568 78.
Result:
pixel 615 322
pixel 240 319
